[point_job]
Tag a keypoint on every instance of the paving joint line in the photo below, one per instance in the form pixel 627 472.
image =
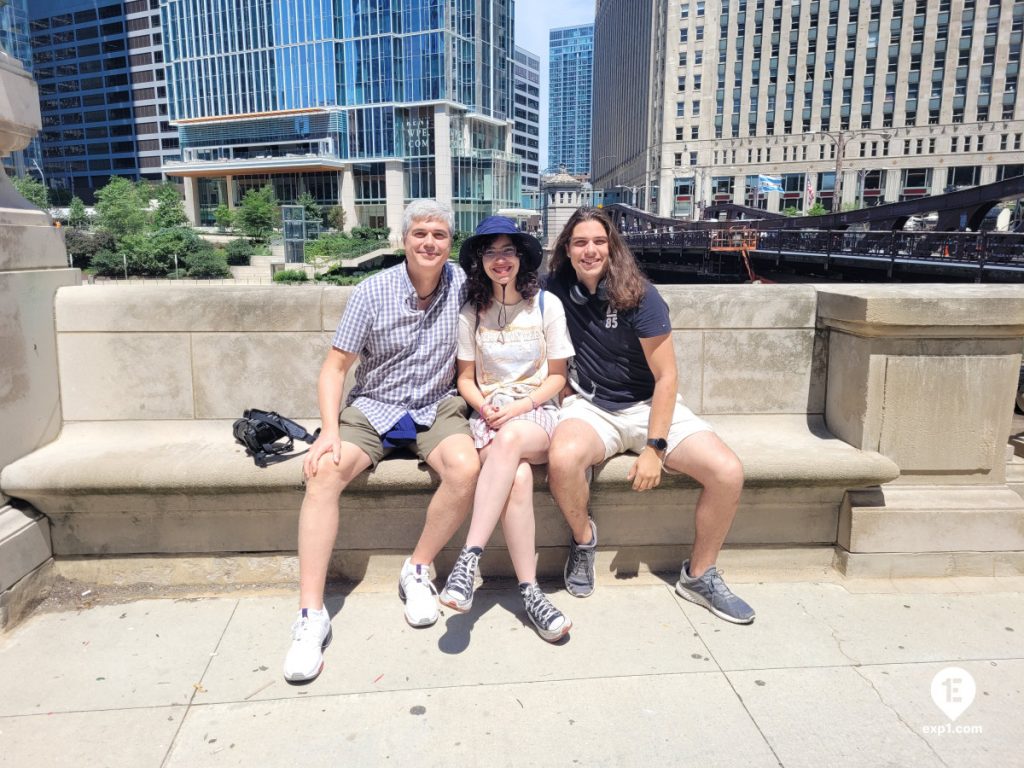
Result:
pixel 196 686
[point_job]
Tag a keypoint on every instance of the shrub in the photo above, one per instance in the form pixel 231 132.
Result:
pixel 291 276
pixel 239 252
pixel 83 246
pixel 108 263
pixel 207 263
pixel 338 278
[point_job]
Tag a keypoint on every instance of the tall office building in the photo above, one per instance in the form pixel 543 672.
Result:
pixel 103 98
pixel 14 40
pixel 363 104
pixel 570 88
pixel 903 99
pixel 526 111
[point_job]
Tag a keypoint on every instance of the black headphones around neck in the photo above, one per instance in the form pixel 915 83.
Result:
pixel 579 294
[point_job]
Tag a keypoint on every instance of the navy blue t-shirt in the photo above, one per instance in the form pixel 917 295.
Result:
pixel 610 363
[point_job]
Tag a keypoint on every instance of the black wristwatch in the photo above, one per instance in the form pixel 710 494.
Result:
pixel 658 443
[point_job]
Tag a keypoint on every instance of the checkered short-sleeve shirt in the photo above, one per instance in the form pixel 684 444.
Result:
pixel 406 355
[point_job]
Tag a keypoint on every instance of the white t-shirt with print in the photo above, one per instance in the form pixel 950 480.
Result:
pixel 514 360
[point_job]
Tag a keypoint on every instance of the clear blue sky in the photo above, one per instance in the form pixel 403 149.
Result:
pixel 534 20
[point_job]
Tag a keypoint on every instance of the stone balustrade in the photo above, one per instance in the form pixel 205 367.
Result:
pixel 872 422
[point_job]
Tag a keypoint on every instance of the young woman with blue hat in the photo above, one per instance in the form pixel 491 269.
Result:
pixel 512 352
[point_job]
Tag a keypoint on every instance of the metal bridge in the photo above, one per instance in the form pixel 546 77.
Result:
pixel 866 244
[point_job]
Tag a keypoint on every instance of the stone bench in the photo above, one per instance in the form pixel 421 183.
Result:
pixel 151 378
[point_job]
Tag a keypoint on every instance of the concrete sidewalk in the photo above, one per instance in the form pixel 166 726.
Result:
pixel 831 673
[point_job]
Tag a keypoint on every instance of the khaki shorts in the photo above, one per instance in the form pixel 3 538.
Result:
pixel 450 420
pixel 626 430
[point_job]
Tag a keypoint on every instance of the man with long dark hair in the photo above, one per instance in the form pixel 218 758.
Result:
pixel 625 399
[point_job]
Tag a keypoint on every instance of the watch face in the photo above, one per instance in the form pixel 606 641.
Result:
pixel 658 443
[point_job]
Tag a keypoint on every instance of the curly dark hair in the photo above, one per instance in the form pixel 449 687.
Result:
pixel 478 285
pixel 626 282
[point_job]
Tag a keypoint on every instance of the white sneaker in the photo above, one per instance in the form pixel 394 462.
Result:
pixel 419 594
pixel 311 633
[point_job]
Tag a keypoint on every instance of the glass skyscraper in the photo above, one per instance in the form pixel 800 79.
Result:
pixel 14 39
pixel 570 97
pixel 102 93
pixel 363 103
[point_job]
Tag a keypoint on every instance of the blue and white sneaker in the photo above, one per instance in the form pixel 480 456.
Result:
pixel 711 592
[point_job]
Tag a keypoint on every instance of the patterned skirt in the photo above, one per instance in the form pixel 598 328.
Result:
pixel 546 416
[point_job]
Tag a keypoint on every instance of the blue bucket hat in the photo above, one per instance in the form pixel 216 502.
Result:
pixel 530 252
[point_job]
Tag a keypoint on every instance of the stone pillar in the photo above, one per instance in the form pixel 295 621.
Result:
pixel 667 193
pixel 927 377
pixel 229 187
pixel 893 185
pixel 394 183
pixel 443 155
pixel 33 265
pixel 347 187
pixel 191 184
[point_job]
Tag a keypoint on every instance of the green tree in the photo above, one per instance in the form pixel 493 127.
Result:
pixel 77 217
pixel 31 190
pixel 224 217
pixel 311 208
pixel 120 209
pixel 336 217
pixel 257 213
pixel 816 210
pixel 166 244
pixel 791 211
pixel 170 211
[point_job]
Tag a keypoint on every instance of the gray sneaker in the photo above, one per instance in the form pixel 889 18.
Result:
pixel 712 593
pixel 551 623
pixel 579 568
pixel 458 591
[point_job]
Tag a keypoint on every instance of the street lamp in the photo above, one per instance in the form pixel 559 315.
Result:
pixel 42 176
pixel 839 139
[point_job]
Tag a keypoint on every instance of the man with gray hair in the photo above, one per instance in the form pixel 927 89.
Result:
pixel 401 324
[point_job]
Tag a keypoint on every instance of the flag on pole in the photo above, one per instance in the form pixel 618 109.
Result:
pixel 769 183
pixel 809 195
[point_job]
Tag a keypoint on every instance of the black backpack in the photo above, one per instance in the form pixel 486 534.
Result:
pixel 262 433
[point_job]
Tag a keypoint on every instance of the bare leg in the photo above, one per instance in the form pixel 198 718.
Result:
pixel 709 461
pixel 318 520
pixel 516 441
pixel 519 526
pixel 575 446
pixel 456 461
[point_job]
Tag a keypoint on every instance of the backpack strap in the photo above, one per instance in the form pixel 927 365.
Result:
pixel 540 300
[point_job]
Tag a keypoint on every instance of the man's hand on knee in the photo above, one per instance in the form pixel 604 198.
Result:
pixel 325 444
